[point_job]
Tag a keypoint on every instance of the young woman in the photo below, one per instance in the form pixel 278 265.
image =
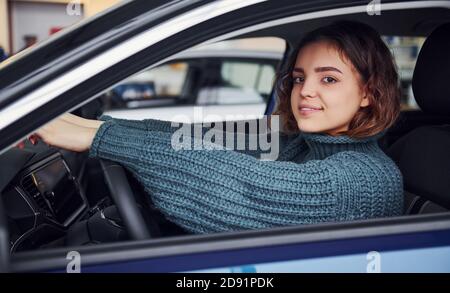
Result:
pixel 336 98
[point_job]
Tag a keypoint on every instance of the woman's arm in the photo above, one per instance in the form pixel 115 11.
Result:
pixel 145 124
pixel 76 134
pixel 210 191
pixel 228 129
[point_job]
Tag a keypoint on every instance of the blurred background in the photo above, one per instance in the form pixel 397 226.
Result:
pixel 23 23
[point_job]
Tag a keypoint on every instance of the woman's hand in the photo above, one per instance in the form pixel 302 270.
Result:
pixel 70 132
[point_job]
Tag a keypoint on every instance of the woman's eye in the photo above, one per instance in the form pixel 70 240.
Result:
pixel 329 79
pixel 298 79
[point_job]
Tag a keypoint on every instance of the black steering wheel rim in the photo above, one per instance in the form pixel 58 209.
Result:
pixel 123 197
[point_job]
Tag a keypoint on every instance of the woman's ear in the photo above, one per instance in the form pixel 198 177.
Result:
pixel 365 98
pixel 365 101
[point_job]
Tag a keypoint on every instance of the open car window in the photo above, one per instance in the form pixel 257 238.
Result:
pixel 227 73
pixel 160 86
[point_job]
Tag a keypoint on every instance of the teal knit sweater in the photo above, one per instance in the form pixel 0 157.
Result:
pixel 316 178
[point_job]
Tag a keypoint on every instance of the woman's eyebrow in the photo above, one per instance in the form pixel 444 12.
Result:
pixel 318 69
pixel 327 68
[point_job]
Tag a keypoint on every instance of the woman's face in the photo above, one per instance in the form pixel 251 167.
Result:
pixel 326 91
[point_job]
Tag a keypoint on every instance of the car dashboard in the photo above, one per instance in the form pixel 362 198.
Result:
pixel 41 195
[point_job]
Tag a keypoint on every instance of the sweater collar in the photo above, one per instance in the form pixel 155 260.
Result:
pixel 324 145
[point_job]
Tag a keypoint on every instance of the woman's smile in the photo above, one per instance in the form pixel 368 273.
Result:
pixel 307 110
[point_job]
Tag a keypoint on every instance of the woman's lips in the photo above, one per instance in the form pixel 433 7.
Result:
pixel 305 111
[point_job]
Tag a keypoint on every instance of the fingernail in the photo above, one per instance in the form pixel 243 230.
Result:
pixel 33 139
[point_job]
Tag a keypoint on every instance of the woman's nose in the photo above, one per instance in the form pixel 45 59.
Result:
pixel 308 89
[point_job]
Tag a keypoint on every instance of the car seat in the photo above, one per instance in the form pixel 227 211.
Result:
pixel 423 154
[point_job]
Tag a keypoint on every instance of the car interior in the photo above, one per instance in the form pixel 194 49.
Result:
pixel 202 83
pixel 55 198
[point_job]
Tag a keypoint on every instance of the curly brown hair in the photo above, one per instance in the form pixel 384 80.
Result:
pixel 371 58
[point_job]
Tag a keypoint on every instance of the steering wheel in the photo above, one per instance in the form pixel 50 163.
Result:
pixel 123 198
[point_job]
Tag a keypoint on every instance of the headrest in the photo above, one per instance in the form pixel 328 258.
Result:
pixel 431 79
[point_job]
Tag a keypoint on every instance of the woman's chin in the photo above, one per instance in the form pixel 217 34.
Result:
pixel 309 128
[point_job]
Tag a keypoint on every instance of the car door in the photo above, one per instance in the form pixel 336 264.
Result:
pixel 416 244
pixel 371 245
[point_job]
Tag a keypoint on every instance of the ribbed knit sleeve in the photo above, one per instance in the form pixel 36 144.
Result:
pixel 168 127
pixel 221 190
pixel 145 124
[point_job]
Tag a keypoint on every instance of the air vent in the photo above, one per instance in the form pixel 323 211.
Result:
pixel 31 189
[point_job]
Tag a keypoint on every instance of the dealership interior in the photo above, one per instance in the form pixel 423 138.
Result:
pixel 22 23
